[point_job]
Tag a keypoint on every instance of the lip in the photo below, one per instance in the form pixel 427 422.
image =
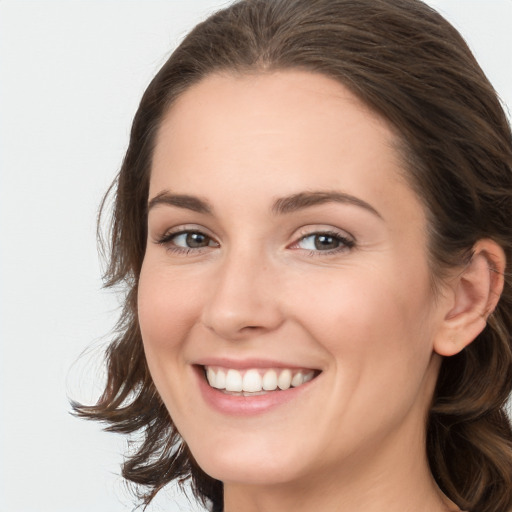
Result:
pixel 235 405
pixel 246 364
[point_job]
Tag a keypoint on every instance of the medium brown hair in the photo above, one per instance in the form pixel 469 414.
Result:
pixel 409 65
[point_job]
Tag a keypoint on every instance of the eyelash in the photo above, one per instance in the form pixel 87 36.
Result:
pixel 346 244
pixel 167 241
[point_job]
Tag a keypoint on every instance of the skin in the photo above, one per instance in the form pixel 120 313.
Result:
pixel 364 314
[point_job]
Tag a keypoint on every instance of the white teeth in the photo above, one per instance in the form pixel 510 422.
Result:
pixel 212 378
pixel 233 381
pixel 252 381
pixel 297 379
pixel 256 380
pixel 285 379
pixel 307 377
pixel 270 380
pixel 220 380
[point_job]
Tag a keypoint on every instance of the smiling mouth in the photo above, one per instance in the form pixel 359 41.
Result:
pixel 256 381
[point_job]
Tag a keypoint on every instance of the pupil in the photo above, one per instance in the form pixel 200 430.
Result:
pixel 326 242
pixel 197 240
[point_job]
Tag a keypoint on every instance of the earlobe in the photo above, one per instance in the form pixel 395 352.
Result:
pixel 474 292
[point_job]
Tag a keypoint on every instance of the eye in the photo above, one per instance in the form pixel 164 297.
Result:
pixel 186 241
pixel 324 242
pixel 191 240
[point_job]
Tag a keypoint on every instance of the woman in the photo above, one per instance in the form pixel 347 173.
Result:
pixel 313 224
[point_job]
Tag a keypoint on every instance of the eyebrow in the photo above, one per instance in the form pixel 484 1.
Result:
pixel 303 200
pixel 281 206
pixel 181 201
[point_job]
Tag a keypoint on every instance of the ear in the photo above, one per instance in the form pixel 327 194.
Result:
pixel 474 294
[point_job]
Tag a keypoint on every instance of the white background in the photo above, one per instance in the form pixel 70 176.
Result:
pixel 71 75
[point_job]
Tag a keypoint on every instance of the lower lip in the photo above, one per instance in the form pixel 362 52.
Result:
pixel 239 405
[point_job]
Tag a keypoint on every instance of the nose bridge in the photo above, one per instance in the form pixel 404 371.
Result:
pixel 242 298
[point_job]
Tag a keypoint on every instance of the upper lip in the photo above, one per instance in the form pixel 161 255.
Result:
pixel 244 364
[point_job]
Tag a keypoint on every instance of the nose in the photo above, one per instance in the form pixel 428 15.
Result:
pixel 242 300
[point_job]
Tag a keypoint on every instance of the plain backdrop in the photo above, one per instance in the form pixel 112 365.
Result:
pixel 71 75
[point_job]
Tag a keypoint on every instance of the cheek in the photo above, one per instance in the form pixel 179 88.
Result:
pixel 167 311
pixel 375 324
pixel 378 335
pixel 166 307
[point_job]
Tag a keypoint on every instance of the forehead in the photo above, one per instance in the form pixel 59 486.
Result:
pixel 269 101
pixel 298 130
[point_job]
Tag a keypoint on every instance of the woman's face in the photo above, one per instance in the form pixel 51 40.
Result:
pixel 286 250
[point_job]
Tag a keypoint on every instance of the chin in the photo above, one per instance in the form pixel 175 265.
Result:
pixel 256 463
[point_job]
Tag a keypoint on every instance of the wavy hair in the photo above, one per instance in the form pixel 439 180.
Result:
pixel 409 65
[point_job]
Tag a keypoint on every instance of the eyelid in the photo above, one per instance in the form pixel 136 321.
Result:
pixel 166 239
pixel 183 228
pixel 319 229
pixel 348 241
